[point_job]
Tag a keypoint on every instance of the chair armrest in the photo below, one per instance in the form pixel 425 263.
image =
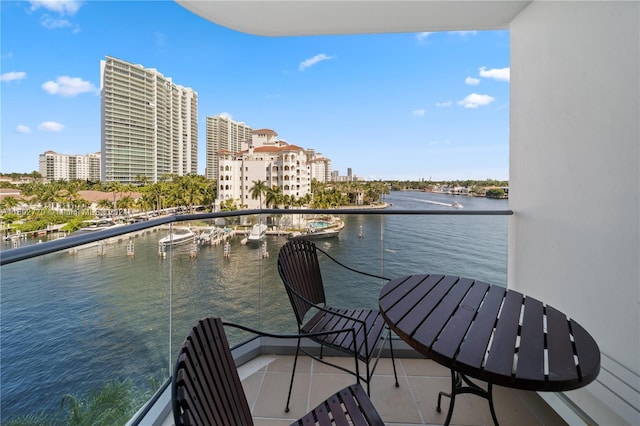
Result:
pixel 350 268
pixel 303 336
pixel 287 335
pixel 324 309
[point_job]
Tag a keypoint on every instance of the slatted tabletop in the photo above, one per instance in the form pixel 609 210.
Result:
pixel 489 333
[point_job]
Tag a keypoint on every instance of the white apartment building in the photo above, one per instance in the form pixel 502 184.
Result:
pixel 149 124
pixel 266 159
pixel 223 133
pixel 54 166
pixel 320 166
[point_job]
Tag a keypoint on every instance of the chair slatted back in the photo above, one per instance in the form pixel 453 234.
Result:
pixel 350 406
pixel 300 271
pixel 206 387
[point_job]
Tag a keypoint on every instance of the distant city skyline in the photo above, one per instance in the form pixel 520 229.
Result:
pixel 406 106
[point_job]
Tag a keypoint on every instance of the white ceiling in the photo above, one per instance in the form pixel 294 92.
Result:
pixel 312 17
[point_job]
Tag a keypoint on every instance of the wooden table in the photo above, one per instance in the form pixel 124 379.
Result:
pixel 489 333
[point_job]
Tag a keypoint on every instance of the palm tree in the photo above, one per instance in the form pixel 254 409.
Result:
pixel 209 193
pixel 154 194
pixel 104 204
pixel 273 196
pixel 142 180
pixel 125 203
pixel 195 188
pixel 259 187
pixel 114 186
pixel 143 203
pixel 8 202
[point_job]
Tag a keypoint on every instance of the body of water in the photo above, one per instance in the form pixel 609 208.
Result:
pixel 70 322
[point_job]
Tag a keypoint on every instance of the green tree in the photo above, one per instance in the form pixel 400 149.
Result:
pixel 125 202
pixel 495 193
pixel 104 204
pixel 115 187
pixel 228 205
pixel 273 196
pixel 257 190
pixel 8 202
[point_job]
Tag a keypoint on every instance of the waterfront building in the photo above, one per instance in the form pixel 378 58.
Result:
pixel 55 166
pixel 267 159
pixel 149 124
pixel 223 133
pixel 320 166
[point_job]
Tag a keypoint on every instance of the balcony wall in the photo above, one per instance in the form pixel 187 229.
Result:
pixel 575 181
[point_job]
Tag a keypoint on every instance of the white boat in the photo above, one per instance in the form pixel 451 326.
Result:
pixel 313 233
pixel 457 205
pixel 210 236
pixel 93 225
pixel 179 236
pixel 257 234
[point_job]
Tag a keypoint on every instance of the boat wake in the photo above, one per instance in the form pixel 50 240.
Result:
pixel 438 203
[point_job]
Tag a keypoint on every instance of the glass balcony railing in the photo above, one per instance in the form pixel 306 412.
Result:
pixel 114 306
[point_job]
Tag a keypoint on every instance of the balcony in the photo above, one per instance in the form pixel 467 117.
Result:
pixel 78 312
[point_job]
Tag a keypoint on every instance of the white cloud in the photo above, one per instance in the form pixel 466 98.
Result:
pixel 23 129
pixel 63 7
pixel 472 81
pixel 68 86
pixel 419 112
pixel 60 8
pixel 502 74
pixel 475 100
pixel 54 23
pixel 443 104
pixel 422 36
pixel 225 115
pixel 465 33
pixel 50 126
pixel 13 75
pixel 312 61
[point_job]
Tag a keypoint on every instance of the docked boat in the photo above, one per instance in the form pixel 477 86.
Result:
pixel 257 234
pixel 211 236
pixel 177 237
pixel 314 233
pixel 94 225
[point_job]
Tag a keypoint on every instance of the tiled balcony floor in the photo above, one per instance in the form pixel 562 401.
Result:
pixel 266 381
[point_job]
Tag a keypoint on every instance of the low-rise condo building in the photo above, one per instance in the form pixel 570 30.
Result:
pixel 267 159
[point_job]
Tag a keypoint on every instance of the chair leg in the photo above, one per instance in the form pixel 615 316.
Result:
pixel 293 372
pixel 368 380
pixel 393 359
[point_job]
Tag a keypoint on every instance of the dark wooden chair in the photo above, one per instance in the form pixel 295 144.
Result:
pixel 300 272
pixel 206 388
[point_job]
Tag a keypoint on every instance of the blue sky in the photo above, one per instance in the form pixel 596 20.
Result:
pixel 390 106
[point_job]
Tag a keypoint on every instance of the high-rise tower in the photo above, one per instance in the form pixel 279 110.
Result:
pixel 149 124
pixel 223 134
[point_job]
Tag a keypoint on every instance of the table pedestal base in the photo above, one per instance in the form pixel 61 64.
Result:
pixel 457 387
